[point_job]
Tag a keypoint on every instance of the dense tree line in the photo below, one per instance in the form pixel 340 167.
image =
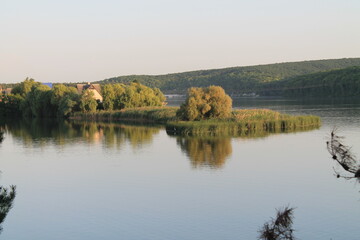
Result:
pixel 237 79
pixel 336 83
pixel 33 99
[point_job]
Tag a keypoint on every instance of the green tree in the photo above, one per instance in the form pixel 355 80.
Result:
pixel 137 95
pixel 205 103
pixel 10 105
pixel 87 102
pixel 24 87
pixel 68 104
pixel 64 99
pixel 37 102
pixel 59 91
pixel 119 90
pixel 109 96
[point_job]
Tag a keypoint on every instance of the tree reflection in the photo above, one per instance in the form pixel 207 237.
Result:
pixel 210 152
pixel 42 132
pixel 6 202
pixel 2 132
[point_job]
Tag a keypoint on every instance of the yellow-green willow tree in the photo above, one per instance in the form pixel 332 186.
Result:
pixel 205 103
pixel 119 96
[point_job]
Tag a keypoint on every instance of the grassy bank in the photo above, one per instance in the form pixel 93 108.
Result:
pixel 241 122
pixel 145 114
pixel 246 122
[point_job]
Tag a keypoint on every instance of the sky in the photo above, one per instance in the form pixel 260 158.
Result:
pixel 90 40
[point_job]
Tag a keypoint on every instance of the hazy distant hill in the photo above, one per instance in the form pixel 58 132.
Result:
pixel 335 83
pixel 236 79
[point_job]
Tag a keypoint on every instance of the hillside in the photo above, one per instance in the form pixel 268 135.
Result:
pixel 236 79
pixel 335 83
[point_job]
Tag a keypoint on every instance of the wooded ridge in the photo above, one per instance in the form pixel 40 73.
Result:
pixel 239 80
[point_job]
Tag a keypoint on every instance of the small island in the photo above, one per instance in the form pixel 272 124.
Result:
pixel 207 112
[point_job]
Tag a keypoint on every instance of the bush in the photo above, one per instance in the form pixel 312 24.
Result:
pixel 205 103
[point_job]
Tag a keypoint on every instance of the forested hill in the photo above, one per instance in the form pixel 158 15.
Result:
pixel 335 83
pixel 236 79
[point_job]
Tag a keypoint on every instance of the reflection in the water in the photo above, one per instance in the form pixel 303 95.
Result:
pixel 208 152
pixel 42 132
pixel 1 130
pixel 213 151
pixel 6 202
pixel 225 130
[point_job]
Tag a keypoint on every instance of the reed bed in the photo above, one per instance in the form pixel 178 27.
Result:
pixel 143 114
pixel 240 123
pixel 244 123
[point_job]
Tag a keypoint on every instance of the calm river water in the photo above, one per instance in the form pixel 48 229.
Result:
pixel 115 181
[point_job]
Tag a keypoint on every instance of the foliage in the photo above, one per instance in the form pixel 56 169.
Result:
pixel 6 202
pixel 279 228
pixel 205 103
pixel 24 87
pixel 38 102
pixel 119 96
pixel 59 91
pixel 68 104
pixel 87 102
pixel 108 94
pixel 236 80
pixel 335 83
pixel 9 105
pixel 33 99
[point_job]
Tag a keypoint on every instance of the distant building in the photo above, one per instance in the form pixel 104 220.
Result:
pixel 95 88
pixel 5 91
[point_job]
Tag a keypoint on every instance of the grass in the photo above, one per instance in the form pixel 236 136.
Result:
pixel 144 114
pixel 240 123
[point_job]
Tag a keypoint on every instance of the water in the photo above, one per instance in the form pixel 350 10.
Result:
pixel 115 181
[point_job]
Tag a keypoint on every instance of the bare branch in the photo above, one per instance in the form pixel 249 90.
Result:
pixel 279 228
pixel 342 154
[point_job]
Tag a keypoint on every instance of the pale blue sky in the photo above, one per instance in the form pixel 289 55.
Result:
pixel 78 40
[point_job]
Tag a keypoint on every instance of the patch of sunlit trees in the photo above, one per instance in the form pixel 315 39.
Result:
pixel 119 96
pixel 34 99
pixel 205 103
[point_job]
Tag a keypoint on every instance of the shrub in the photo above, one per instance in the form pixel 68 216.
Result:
pixel 205 103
